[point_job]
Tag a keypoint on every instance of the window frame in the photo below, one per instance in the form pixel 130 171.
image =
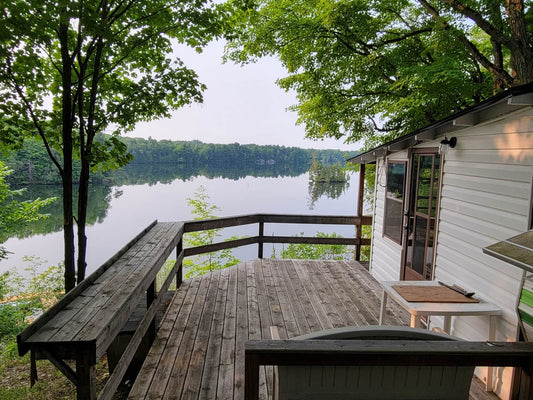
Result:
pixel 388 198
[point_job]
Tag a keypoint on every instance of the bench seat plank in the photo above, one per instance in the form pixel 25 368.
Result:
pixel 98 313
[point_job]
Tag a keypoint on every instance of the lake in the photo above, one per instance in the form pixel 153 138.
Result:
pixel 118 213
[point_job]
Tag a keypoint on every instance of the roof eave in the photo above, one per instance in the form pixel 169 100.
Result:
pixel 494 107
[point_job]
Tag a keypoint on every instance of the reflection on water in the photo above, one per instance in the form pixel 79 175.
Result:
pixel 117 213
pixel 97 208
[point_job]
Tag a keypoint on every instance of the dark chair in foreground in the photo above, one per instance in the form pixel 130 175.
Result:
pixel 394 382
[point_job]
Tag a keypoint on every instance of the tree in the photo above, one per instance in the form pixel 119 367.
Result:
pixel 304 251
pixel 201 264
pixel 13 213
pixel 72 69
pixel 330 180
pixel 377 69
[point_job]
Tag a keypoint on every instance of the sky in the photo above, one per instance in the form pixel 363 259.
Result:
pixel 242 104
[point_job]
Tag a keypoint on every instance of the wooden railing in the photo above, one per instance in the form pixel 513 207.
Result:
pixel 89 338
pixel 260 238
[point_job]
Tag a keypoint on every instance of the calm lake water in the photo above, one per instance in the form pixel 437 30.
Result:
pixel 123 211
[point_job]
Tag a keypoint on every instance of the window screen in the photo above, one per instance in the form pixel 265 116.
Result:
pixel 394 196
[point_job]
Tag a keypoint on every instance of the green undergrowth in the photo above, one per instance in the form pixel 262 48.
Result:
pixel 23 297
pixel 52 385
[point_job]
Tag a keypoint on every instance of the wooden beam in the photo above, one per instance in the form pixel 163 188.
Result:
pixel 120 369
pixel 179 261
pixel 86 374
pixel 317 219
pixel 217 223
pixel 360 201
pixel 317 240
pixel 230 244
pixel 391 352
pixel 260 244
pixel 61 366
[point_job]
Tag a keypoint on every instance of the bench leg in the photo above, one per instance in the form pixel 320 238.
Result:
pixel 151 295
pixel 492 337
pixel 86 374
pixel 33 368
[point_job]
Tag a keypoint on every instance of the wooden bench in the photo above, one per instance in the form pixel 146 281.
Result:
pixel 84 323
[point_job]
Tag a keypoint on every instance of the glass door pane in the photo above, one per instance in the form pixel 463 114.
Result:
pixel 424 194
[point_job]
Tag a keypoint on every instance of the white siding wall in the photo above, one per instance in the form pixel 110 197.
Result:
pixel 386 254
pixel 485 197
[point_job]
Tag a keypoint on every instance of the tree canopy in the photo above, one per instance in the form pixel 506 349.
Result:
pixel 74 68
pixel 376 69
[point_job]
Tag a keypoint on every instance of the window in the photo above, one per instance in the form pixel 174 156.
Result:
pixel 394 196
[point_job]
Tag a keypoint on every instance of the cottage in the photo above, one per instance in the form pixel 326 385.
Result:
pixel 447 191
pixel 445 196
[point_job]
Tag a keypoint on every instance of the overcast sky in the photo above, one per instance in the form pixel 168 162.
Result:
pixel 241 104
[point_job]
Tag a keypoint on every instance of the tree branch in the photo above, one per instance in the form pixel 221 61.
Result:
pixel 498 73
pixel 480 21
pixel 34 118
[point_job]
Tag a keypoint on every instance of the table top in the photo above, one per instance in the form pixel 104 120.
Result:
pixel 428 308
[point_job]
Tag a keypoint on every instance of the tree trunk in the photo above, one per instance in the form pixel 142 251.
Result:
pixel 497 56
pixel 86 139
pixel 83 197
pixel 522 49
pixel 68 218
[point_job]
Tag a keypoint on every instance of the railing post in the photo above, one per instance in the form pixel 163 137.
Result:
pixel 360 199
pixel 179 272
pixel 260 244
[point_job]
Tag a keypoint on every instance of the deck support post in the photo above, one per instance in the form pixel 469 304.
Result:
pixel 360 199
pixel 179 259
pixel 260 244
pixel 86 375
pixel 150 297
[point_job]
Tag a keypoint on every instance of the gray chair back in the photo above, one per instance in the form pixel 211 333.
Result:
pixel 315 382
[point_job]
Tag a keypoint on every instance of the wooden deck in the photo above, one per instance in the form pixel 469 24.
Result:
pixel 199 350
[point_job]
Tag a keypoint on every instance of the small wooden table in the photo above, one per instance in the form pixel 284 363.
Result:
pixel 447 310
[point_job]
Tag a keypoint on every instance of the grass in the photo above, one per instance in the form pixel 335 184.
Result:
pixel 15 381
pixel 52 385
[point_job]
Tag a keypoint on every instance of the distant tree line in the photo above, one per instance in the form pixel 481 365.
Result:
pixel 194 153
pixel 31 165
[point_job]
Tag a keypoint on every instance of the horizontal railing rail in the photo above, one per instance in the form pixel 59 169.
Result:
pixel 261 238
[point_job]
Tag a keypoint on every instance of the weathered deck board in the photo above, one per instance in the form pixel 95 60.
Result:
pixel 224 309
pixel 198 353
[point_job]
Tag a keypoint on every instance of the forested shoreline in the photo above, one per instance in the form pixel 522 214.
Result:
pixel 31 164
